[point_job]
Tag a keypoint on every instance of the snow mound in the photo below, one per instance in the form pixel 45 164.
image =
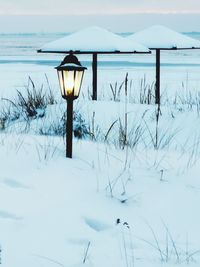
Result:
pixel 8 215
pixel 159 36
pixel 97 225
pixel 93 39
pixel 14 184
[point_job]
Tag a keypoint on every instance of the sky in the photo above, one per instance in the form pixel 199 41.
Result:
pixel 124 15
pixel 82 7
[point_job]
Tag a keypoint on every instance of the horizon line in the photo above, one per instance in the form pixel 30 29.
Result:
pixel 108 14
pixel 70 32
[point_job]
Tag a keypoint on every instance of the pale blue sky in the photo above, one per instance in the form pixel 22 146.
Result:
pixel 117 15
pixel 97 6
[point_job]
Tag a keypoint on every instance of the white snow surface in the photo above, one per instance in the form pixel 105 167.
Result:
pixel 159 36
pixel 94 39
pixel 52 208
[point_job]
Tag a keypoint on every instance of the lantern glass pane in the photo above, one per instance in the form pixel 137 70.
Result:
pixel 61 81
pixel 78 81
pixel 68 82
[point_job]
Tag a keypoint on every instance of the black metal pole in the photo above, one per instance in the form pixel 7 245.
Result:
pixel 157 91
pixel 94 70
pixel 69 128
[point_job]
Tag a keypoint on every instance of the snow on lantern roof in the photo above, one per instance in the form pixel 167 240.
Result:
pixel 93 39
pixel 160 37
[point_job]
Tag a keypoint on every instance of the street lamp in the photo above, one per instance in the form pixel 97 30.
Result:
pixel 70 75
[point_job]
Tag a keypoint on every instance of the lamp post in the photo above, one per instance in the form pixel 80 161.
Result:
pixel 70 76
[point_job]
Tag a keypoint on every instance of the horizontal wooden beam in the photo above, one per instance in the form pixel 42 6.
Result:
pixel 92 52
pixel 175 48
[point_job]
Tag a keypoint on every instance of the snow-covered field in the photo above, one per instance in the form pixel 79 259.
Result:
pixel 58 211
pixel 111 205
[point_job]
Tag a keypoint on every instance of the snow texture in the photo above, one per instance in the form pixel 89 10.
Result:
pixel 158 36
pixel 61 212
pixel 94 39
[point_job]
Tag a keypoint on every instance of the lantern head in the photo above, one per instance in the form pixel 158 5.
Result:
pixel 70 75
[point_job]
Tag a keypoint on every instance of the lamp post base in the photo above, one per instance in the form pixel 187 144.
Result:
pixel 69 128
